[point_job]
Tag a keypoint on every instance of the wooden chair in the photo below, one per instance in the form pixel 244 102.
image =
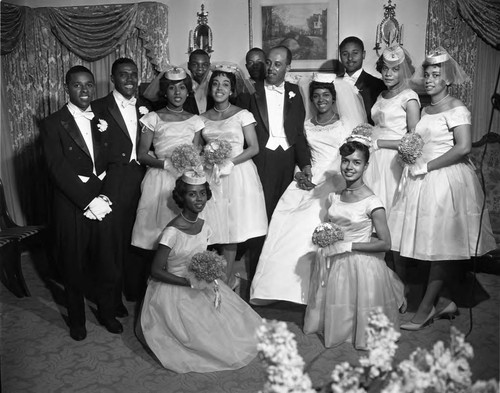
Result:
pixel 13 240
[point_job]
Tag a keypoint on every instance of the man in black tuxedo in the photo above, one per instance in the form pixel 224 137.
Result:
pixel 122 110
pixel 76 148
pixel 352 54
pixel 279 112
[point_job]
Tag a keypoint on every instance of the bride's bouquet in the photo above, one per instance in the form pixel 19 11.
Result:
pixel 204 270
pixel 364 129
pixel 326 234
pixel 410 148
pixel 216 152
pixel 186 157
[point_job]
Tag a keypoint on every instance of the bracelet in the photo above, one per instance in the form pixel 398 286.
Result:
pixel 105 199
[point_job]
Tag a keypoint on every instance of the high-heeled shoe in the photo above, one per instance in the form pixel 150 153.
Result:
pixel 449 312
pixel 418 326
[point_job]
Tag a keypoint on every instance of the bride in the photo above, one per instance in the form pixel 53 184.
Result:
pixel 284 266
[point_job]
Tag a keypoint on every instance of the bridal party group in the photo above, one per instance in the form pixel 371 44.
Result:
pixel 211 158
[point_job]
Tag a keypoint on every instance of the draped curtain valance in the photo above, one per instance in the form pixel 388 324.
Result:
pixel 483 16
pixel 93 32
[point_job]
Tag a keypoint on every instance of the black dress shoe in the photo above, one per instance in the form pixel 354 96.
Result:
pixel 78 333
pixel 112 325
pixel 121 311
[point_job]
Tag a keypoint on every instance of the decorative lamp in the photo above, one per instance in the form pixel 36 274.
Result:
pixel 389 31
pixel 201 36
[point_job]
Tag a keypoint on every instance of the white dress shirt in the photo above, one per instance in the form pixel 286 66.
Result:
pixel 82 119
pixel 353 78
pixel 129 114
pixel 275 97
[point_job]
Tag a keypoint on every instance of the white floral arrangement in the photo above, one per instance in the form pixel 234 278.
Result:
pixel 143 110
pixel 441 370
pixel 291 94
pixel 103 125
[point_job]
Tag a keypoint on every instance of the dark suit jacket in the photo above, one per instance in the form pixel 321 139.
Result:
pixel 369 87
pixel 293 118
pixel 67 157
pixel 106 108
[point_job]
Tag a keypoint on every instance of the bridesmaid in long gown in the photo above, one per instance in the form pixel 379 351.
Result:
pixel 284 267
pixel 164 129
pixel 350 277
pixel 237 212
pixel 180 324
pixel 437 216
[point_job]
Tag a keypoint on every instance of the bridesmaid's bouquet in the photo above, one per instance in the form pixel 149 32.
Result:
pixel 186 157
pixel 326 234
pixel 204 270
pixel 216 152
pixel 410 148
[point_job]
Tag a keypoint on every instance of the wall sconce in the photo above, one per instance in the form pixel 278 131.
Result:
pixel 201 36
pixel 389 31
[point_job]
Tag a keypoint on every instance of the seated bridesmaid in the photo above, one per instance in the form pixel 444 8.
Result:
pixel 180 324
pixel 350 278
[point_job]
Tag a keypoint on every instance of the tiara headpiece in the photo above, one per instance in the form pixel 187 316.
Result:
pixel 230 68
pixel 193 178
pixel 393 56
pixel 175 74
pixel 437 56
pixel 323 77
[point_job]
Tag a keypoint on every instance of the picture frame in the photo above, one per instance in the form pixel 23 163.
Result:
pixel 309 28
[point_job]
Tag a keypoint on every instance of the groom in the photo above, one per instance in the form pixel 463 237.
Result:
pixel 279 112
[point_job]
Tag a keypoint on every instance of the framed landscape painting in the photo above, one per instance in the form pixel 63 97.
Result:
pixel 308 28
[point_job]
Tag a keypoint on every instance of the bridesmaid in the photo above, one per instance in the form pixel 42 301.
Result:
pixel 163 130
pixel 396 111
pixel 437 216
pixel 237 212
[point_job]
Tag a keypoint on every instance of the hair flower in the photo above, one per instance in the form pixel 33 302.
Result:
pixel 103 125
pixel 143 110
pixel 291 94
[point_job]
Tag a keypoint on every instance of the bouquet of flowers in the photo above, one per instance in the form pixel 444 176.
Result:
pixel 204 270
pixel 410 148
pixel 185 157
pixel 216 152
pixel 327 233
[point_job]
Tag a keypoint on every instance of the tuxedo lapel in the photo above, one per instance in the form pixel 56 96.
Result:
pixel 96 136
pixel 360 82
pixel 288 101
pixel 115 112
pixel 69 124
pixel 260 99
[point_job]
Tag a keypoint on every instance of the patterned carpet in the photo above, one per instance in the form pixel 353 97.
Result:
pixel 37 354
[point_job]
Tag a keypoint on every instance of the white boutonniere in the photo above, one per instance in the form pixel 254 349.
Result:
pixel 143 110
pixel 103 125
pixel 291 94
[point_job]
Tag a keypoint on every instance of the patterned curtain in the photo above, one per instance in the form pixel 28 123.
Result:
pixel 446 28
pixel 483 16
pixel 35 61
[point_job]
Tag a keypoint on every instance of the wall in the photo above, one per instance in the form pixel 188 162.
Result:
pixel 229 22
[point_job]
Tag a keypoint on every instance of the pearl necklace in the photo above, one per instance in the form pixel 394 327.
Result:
pixel 172 110
pixel 222 110
pixel 190 221
pixel 327 122
pixel 442 99
pixel 355 188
